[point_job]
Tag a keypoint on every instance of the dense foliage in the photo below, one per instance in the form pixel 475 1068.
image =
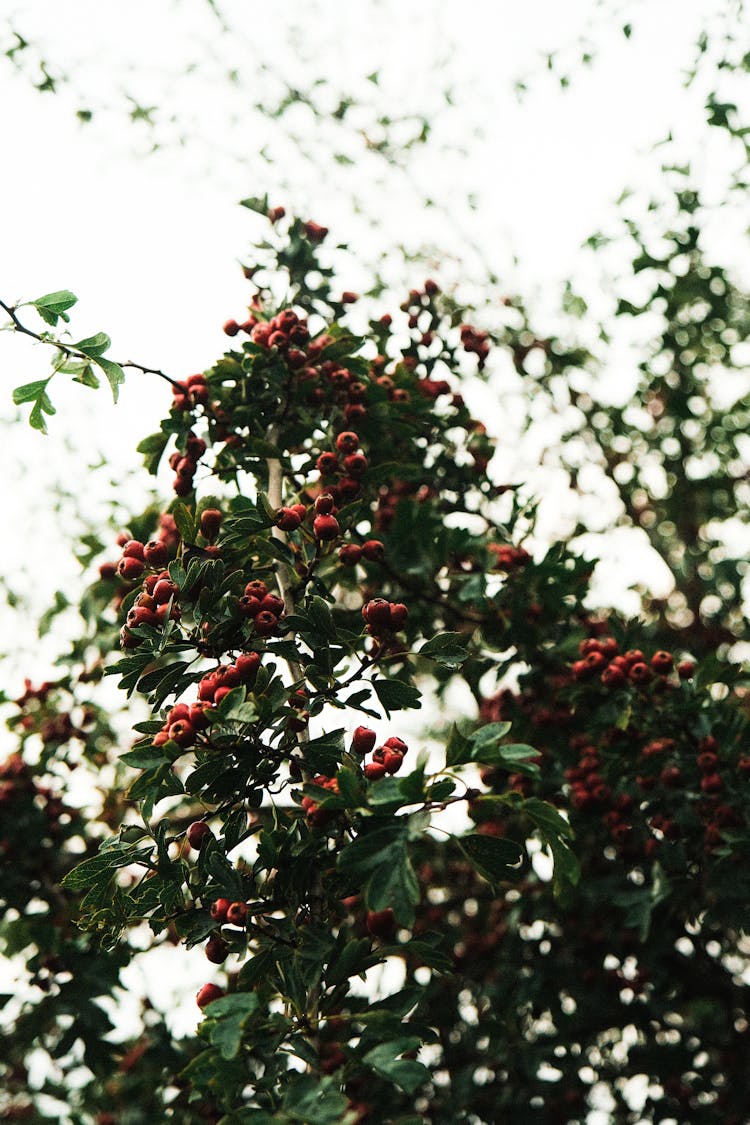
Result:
pixel 513 916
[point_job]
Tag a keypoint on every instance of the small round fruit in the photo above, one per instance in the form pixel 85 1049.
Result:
pixel 217 950
pixel 208 994
pixel 326 528
pixel 197 834
pixel 363 741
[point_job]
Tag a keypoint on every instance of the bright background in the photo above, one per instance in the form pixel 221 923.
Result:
pixel 141 220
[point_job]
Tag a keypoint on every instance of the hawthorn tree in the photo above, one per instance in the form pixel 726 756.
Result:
pixel 529 912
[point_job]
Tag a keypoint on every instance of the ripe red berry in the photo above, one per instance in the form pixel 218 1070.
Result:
pixel 156 553
pixel 247 664
pixel 356 465
pixel 182 732
pixel 392 761
pixel 210 523
pixel 686 669
pixel 273 603
pixel 219 909
pixel 350 554
pixel 381 923
pixel 256 589
pixel 398 615
pixel 327 464
pixel 130 568
pixel 287 520
pixel 397 744
pixel 373 550
pixel 377 612
pixel 217 949
pixel 236 914
pixel 265 623
pixel 326 527
pixel 639 673
pixel 249 606
pixel 347 442
pixel 197 834
pixel 231 328
pixel 164 590
pixel 363 741
pixel 325 505
pixel 208 994
pixel 373 771
pixel 662 662
pixel 133 549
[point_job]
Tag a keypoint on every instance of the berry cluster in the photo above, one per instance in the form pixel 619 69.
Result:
pixel 261 607
pixel 508 557
pixel 191 392
pixel 314 814
pixel 476 341
pixel 372 550
pixel 216 685
pixel 185 463
pixel 346 466
pixel 388 758
pixel 154 605
pixel 184 723
pixel 384 617
pixel 601 656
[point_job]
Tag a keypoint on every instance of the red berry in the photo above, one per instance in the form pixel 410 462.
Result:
pixel 287 520
pixel 326 527
pixel 327 464
pixel 381 923
pixel 182 732
pixel 164 590
pixel 231 328
pixel 686 669
pixel 325 505
pixel 397 744
pixel 249 606
pixel 217 949
pixel 347 442
pixel 392 761
pixel 208 994
pixel 265 623
pixel 156 553
pixel 237 913
pixel 130 568
pixel 256 589
pixel 662 662
pixel 398 616
pixel 210 523
pixel 133 549
pixel 356 465
pixel 197 834
pixel 219 909
pixel 247 664
pixel 363 741
pixel 373 550
pixel 377 612
pixel 373 771
pixel 350 554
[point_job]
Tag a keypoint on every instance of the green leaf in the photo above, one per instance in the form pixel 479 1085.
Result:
pixel 184 520
pixel 514 756
pixel 94 346
pixel 54 306
pixel 29 392
pixel 395 695
pixel 407 1074
pixel 115 375
pixel 494 857
pixel 546 817
pixel 445 648
pixel 458 750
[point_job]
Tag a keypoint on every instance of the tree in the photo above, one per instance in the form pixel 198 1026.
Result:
pixel 533 912
pixel 335 554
